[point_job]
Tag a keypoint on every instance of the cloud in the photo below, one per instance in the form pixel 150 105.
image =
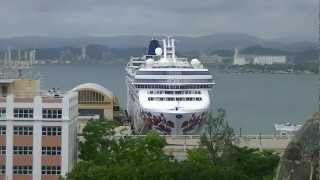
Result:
pixel 266 18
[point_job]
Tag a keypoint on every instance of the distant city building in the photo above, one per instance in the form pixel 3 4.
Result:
pixel 240 59
pixel 12 56
pixel 257 59
pixel 213 59
pixel 268 60
pixel 83 52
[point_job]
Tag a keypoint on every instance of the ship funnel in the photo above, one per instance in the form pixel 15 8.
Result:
pixel 153 45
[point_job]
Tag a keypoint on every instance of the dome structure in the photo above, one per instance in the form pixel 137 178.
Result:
pixel 94 87
pixel 195 62
pixel 95 100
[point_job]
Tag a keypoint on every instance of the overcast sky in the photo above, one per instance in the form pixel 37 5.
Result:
pixel 264 18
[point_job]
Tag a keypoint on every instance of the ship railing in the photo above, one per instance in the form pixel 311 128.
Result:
pixel 197 137
pixel 36 93
pixel 185 142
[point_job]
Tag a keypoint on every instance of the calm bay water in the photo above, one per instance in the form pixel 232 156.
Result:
pixel 254 102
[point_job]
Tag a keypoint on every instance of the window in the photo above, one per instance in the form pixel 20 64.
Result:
pixel 3 169
pixel 3 130
pixel 90 97
pixel 51 170
pixel 23 112
pixel 51 151
pixel 23 130
pixel 22 150
pixel 22 169
pixel 2 150
pixel 51 131
pixel 2 112
pixel 174 99
pixel 52 113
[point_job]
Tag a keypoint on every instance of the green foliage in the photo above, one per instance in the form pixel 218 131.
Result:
pixel 219 137
pixel 137 158
pixel 219 144
pixel 97 141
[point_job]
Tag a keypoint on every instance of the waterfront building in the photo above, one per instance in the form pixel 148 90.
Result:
pixel 38 129
pixel 269 60
pixel 212 60
pixel 239 59
pixel 242 59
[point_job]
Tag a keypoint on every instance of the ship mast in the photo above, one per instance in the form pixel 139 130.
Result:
pixel 169 50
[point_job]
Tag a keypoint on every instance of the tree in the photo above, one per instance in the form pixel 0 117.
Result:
pixel 142 158
pixel 219 144
pixel 219 137
pixel 97 141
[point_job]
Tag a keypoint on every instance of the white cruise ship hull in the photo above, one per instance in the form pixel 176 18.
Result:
pixel 166 122
pixel 167 94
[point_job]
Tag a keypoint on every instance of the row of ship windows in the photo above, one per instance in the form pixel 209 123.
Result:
pixel 173 81
pixel 166 86
pixel 55 113
pixel 26 170
pixel 174 99
pixel 173 73
pixel 174 92
pixel 2 112
pixel 27 150
pixel 28 130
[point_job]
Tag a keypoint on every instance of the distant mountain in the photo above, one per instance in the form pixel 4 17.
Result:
pixel 201 43
pixel 122 47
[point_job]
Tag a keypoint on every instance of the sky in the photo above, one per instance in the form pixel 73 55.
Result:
pixel 72 18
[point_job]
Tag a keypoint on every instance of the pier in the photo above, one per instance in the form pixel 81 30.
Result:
pixel 267 142
pixel 178 145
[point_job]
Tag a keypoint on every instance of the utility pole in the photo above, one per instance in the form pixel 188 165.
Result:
pixel 319 86
pixel 319 56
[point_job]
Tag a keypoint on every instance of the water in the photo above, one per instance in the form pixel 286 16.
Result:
pixel 254 102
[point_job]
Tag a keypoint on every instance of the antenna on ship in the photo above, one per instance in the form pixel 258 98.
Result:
pixel 169 50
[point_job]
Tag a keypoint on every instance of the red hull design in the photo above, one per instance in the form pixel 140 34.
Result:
pixel 158 122
pixel 168 126
pixel 193 122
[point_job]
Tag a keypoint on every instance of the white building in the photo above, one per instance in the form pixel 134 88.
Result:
pixel 37 131
pixel 239 59
pixel 269 60
pixel 255 59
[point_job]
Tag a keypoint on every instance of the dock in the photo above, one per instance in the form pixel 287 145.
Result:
pixel 178 145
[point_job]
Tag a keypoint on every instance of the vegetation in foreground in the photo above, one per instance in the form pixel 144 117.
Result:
pixel 104 157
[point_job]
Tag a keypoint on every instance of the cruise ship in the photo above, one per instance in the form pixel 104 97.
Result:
pixel 167 94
